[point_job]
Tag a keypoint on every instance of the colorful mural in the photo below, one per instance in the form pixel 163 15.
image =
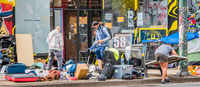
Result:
pixel 173 16
pixel 6 16
pixel 193 15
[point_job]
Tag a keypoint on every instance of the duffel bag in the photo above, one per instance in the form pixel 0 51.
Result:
pixel 15 68
pixel 128 76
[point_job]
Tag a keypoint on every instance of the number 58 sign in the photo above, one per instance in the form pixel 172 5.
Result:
pixel 120 41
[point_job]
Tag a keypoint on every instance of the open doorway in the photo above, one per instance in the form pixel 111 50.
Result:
pixel 86 34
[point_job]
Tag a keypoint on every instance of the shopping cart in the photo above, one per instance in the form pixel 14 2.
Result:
pixel 137 52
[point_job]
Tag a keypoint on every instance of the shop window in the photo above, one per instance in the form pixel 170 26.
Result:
pixel 155 13
pixel 69 4
pixel 90 4
pixel 119 10
pixel 115 19
pixel 57 3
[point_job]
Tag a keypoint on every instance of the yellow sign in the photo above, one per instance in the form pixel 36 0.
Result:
pixel 120 19
pixel 109 25
pixel 8 2
pixel 75 28
pixel 152 33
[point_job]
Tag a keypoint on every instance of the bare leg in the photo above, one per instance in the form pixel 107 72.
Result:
pixel 161 67
pixel 100 63
pixel 165 65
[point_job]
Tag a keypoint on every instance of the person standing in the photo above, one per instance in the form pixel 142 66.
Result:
pixel 55 41
pixel 102 39
pixel 161 55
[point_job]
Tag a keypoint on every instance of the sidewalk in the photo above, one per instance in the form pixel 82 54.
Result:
pixel 154 78
pixel 156 72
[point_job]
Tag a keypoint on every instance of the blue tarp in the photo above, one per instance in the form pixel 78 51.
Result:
pixel 144 41
pixel 174 38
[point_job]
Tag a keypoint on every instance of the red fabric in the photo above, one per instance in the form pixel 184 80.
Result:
pixel 8 24
pixel 73 78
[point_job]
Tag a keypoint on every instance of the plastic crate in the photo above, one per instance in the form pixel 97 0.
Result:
pixel 121 70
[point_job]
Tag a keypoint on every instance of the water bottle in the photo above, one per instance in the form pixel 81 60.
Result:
pixel 122 61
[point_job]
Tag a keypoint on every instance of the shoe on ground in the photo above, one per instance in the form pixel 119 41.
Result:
pixel 168 80
pixel 163 82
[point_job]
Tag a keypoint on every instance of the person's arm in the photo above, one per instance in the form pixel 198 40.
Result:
pixel 174 52
pixel 96 39
pixel 106 34
pixel 61 41
pixel 95 43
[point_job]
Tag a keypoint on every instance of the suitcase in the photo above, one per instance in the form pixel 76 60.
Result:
pixel 15 68
pixel 20 78
pixel 108 70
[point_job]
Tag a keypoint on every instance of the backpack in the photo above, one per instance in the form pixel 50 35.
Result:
pixel 108 69
pixel 108 29
pixel 107 54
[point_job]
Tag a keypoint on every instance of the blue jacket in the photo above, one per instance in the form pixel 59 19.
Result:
pixel 105 36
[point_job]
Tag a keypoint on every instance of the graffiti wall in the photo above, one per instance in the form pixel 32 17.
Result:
pixel 6 16
pixel 193 15
pixel 156 12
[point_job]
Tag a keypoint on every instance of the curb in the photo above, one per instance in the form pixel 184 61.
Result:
pixel 107 83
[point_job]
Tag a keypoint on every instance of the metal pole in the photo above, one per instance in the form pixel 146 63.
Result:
pixel 183 70
pixel 183 28
pixel 78 42
pixel 102 6
pixel 53 16
pixel 135 18
pixel 89 28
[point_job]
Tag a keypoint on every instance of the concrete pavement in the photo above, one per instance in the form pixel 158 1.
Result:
pixel 156 72
pixel 165 85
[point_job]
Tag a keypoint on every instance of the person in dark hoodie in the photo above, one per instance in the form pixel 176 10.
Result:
pixel 55 41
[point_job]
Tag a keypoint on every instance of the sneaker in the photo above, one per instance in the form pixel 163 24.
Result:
pixel 163 82
pixel 167 80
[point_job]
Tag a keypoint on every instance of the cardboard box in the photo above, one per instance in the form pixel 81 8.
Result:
pixel 40 60
pixel 81 71
pixel 82 20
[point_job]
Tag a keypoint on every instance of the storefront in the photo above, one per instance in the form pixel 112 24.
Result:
pixel 144 19
pixel 130 21
pixel 69 13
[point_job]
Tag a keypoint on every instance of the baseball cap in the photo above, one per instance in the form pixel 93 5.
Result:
pixel 95 23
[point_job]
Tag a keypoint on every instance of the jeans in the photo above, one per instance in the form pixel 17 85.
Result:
pixel 52 54
pixel 99 52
